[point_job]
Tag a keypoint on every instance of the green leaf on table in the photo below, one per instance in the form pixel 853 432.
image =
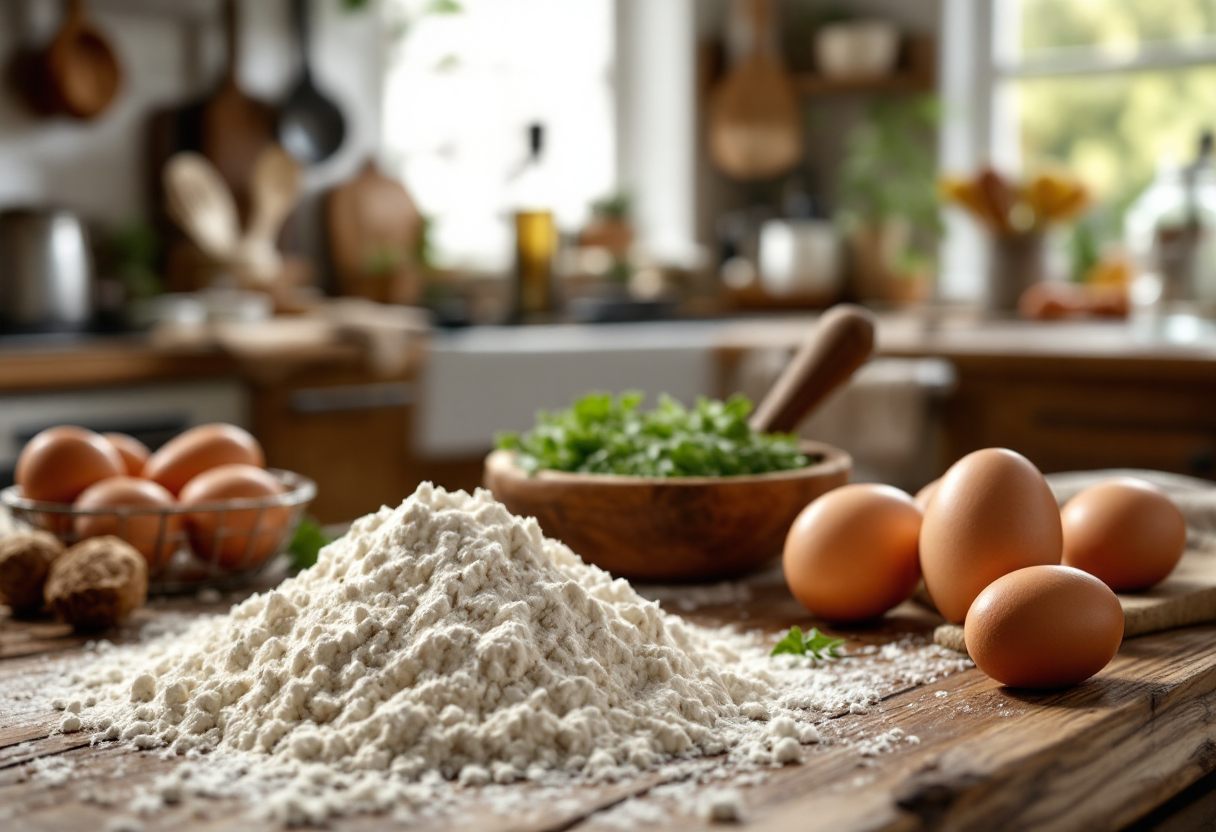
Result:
pixel 815 645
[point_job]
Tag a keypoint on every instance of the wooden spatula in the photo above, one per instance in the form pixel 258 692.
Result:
pixel 274 192
pixel 198 200
pixel 755 127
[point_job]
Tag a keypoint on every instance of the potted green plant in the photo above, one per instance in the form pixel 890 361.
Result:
pixel 889 201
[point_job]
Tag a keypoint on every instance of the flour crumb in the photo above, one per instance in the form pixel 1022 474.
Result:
pixel 886 743
pixel 55 772
pixel 722 807
pixel 209 595
pixel 124 824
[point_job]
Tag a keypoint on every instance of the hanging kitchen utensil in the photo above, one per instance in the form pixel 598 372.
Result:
pixel 754 119
pixel 77 74
pixel 374 229
pixel 235 126
pixel 199 201
pixel 26 79
pixel 311 126
pixel 274 192
pixel 82 67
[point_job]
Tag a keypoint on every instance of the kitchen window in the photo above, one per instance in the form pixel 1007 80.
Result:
pixel 1108 89
pixel 464 80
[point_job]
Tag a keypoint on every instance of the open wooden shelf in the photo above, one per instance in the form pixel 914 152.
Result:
pixel 811 84
pixel 915 72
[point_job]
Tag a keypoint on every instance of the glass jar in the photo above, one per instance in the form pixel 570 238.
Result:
pixel 1170 230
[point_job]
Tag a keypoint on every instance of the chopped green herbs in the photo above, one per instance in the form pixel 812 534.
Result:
pixel 813 644
pixel 602 434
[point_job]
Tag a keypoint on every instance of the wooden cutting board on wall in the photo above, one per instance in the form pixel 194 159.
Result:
pixel 374 232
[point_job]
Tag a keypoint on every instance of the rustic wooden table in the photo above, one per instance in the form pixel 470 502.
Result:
pixel 1097 757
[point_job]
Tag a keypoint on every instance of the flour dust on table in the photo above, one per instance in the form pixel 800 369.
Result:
pixel 447 646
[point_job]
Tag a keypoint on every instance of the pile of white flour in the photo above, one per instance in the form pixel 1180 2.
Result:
pixel 448 639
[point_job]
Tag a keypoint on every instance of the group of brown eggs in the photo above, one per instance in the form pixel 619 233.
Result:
pixel 1032 584
pixel 115 486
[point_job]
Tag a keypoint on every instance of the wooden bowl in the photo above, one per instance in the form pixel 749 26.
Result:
pixel 675 529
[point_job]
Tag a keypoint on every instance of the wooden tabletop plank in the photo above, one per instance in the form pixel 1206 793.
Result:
pixel 1094 757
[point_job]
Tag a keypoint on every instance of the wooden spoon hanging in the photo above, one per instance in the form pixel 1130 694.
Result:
pixel 236 128
pixel 81 68
pixel 842 340
pixel 755 127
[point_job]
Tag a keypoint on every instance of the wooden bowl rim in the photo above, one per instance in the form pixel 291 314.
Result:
pixel 834 461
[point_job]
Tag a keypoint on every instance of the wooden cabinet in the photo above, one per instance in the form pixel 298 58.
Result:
pixel 351 432
pixel 1071 414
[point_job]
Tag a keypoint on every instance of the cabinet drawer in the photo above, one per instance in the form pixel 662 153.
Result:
pixel 1062 426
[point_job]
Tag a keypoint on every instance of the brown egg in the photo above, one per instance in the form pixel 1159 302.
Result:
pixel 133 452
pixel 925 495
pixel 1044 627
pixel 154 534
pixel 59 463
pixel 851 553
pixel 235 538
pixel 1125 532
pixel 992 513
pixel 199 449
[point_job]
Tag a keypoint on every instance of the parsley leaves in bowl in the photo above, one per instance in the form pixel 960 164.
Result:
pixel 671 494
pixel 678 494
pixel 602 434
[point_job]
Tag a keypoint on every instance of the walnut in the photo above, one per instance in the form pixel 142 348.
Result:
pixel 25 560
pixel 97 583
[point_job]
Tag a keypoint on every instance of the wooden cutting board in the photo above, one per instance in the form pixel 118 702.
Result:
pixel 1186 597
pixel 374 228
pixel 755 126
pixel 235 127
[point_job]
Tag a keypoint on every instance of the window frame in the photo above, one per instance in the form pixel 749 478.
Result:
pixel 980 63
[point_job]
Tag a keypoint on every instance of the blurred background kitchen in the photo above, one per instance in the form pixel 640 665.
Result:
pixel 377 231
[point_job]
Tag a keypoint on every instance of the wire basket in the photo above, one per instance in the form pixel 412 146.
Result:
pixel 216 545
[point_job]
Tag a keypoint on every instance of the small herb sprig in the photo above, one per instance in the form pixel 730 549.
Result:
pixel 817 646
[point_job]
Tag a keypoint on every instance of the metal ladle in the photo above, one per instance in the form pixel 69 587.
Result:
pixel 311 127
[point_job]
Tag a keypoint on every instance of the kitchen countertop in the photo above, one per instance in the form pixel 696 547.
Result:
pixel 91 362
pixel 104 361
pixel 1095 757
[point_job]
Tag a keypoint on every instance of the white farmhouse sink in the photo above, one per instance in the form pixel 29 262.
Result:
pixel 483 380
